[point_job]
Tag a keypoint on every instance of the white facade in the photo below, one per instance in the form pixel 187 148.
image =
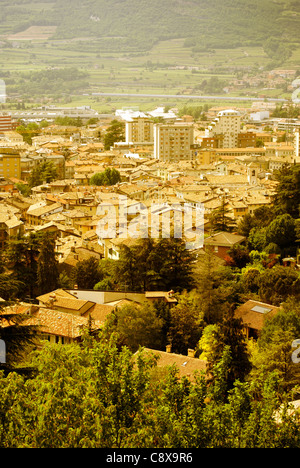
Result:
pixel 228 124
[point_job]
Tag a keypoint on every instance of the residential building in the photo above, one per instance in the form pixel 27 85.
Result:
pixel 139 130
pixel 221 242
pixel 188 366
pixel 37 214
pixel 246 140
pixel 228 124
pixel 5 123
pixel 10 226
pixel 173 142
pixel 10 163
pixel 253 315
pixel 54 326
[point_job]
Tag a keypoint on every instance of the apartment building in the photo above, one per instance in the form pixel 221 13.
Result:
pixel 139 130
pixel 228 124
pixel 10 163
pixel 173 142
pixel 5 123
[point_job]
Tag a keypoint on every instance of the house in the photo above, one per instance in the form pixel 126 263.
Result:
pixel 221 242
pixel 37 213
pixel 165 296
pixel 187 366
pixel 253 315
pixel 10 226
pixel 63 301
pixel 54 325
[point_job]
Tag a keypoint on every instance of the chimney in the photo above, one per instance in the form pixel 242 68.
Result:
pixel 191 353
pixel 169 348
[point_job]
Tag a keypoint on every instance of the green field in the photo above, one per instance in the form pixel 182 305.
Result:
pixel 168 68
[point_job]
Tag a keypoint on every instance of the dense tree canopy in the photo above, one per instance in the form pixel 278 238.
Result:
pixel 98 396
pixel 287 197
pixel 108 177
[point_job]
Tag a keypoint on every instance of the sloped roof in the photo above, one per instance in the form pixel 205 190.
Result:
pixel 52 321
pixel 224 239
pixel 254 313
pixel 186 365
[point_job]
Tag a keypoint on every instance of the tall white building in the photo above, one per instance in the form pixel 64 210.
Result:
pixel 228 124
pixel 297 146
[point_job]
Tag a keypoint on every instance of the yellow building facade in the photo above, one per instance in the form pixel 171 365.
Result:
pixel 10 163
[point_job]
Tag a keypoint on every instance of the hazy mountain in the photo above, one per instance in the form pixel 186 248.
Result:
pixel 140 23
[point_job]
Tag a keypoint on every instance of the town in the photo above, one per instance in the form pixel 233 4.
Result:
pixel 68 175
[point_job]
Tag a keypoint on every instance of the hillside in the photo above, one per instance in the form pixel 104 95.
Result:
pixel 140 23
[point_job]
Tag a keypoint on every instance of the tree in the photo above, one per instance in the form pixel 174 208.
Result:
pixel 260 218
pixel 97 395
pixel 21 255
pixel 211 301
pixel 220 220
pixel 239 256
pixel 277 284
pixel 275 346
pixel 114 133
pixel 257 239
pixel 186 324
pixel 230 339
pixel 173 264
pixel 287 195
pixel 148 265
pixel 28 131
pixel 9 286
pixel 47 265
pixel 43 172
pixel 108 177
pixel 251 280
pixel 127 269
pixel 281 232
pixel 18 338
pixel 88 273
pixel 137 326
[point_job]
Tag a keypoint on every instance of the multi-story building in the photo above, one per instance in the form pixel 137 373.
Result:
pixel 228 124
pixel 10 163
pixel 5 123
pixel 173 142
pixel 246 140
pixel 139 130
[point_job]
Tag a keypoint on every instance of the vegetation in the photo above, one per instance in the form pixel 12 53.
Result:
pixel 99 396
pixel 43 172
pixel 30 266
pixel 210 25
pixel 108 177
pixel 114 133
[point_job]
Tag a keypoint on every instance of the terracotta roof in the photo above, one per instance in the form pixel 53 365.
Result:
pixel 54 322
pixel 254 313
pixel 225 239
pixel 99 312
pixel 186 365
